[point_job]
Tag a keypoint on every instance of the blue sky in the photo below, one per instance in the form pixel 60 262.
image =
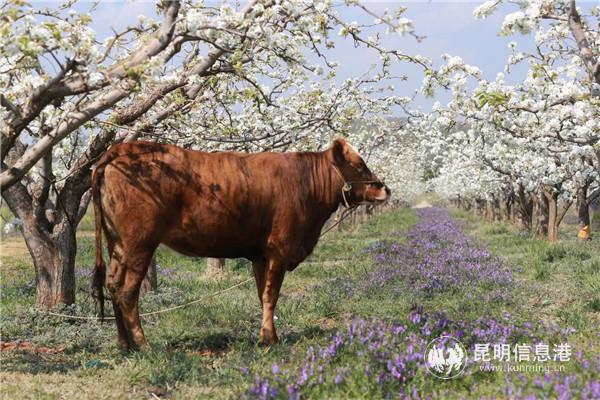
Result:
pixel 449 26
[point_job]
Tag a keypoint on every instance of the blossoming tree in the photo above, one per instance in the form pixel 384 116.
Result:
pixel 201 76
pixel 538 140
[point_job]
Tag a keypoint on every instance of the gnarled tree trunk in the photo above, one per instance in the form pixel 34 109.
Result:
pixel 489 212
pixel 54 261
pixel 523 209
pixel 479 207
pixel 50 239
pixel 541 214
pixel 595 211
pixel 48 227
pixel 496 210
pixel 507 205
pixel 583 213
pixel 552 216
pixel 555 215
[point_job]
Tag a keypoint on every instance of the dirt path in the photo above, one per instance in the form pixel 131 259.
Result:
pixel 422 204
pixel 14 246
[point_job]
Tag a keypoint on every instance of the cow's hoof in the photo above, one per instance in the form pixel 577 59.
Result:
pixel 124 344
pixel 143 346
pixel 132 347
pixel 268 337
pixel 125 347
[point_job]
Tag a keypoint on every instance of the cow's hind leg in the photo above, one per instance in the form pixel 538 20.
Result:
pixel 114 281
pixel 124 281
pixel 124 340
pixel 129 304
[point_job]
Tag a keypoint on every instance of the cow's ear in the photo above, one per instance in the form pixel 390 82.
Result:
pixel 339 149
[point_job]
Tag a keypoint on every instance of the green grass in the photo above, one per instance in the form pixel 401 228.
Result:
pixel 204 350
pixel 560 282
pixel 5 216
pixel 197 351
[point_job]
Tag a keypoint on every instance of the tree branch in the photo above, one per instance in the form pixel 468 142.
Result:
pixel 578 31
pixel 154 46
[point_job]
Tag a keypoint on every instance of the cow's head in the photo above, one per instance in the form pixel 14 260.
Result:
pixel 361 186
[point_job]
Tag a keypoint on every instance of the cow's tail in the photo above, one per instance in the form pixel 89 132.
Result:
pixel 99 277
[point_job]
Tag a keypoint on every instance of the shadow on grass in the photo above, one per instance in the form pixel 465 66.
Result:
pixel 216 344
pixel 34 363
pixel 308 333
pixel 191 358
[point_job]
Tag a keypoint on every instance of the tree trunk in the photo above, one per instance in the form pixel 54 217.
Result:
pixel 489 214
pixel 479 208
pixel 514 215
pixel 49 232
pixel 215 266
pixel 554 215
pixel 523 209
pixel 541 213
pixel 583 214
pixel 463 203
pixel 496 212
pixel 507 209
pixel 54 263
pixel 150 282
pixel 595 207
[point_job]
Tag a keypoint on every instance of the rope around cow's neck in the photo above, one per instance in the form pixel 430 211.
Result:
pixel 348 186
pixel 345 214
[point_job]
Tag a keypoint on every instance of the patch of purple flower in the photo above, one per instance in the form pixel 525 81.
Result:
pixel 262 389
pixel 28 288
pixel 390 356
pixel 385 358
pixel 437 256
pixel 84 272
pixel 165 272
pixel 383 349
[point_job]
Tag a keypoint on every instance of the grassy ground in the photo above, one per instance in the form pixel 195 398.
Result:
pixel 196 351
pixel 211 350
pixel 560 283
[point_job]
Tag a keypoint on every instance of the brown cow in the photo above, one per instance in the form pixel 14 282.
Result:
pixel 267 207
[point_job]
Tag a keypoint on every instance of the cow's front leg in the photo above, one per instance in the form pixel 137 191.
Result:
pixel 270 294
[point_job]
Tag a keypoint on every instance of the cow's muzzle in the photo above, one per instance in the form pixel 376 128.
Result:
pixel 384 192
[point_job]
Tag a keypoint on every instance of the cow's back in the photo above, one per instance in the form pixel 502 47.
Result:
pixel 201 204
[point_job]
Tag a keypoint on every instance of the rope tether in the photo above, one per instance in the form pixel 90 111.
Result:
pixel 164 310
